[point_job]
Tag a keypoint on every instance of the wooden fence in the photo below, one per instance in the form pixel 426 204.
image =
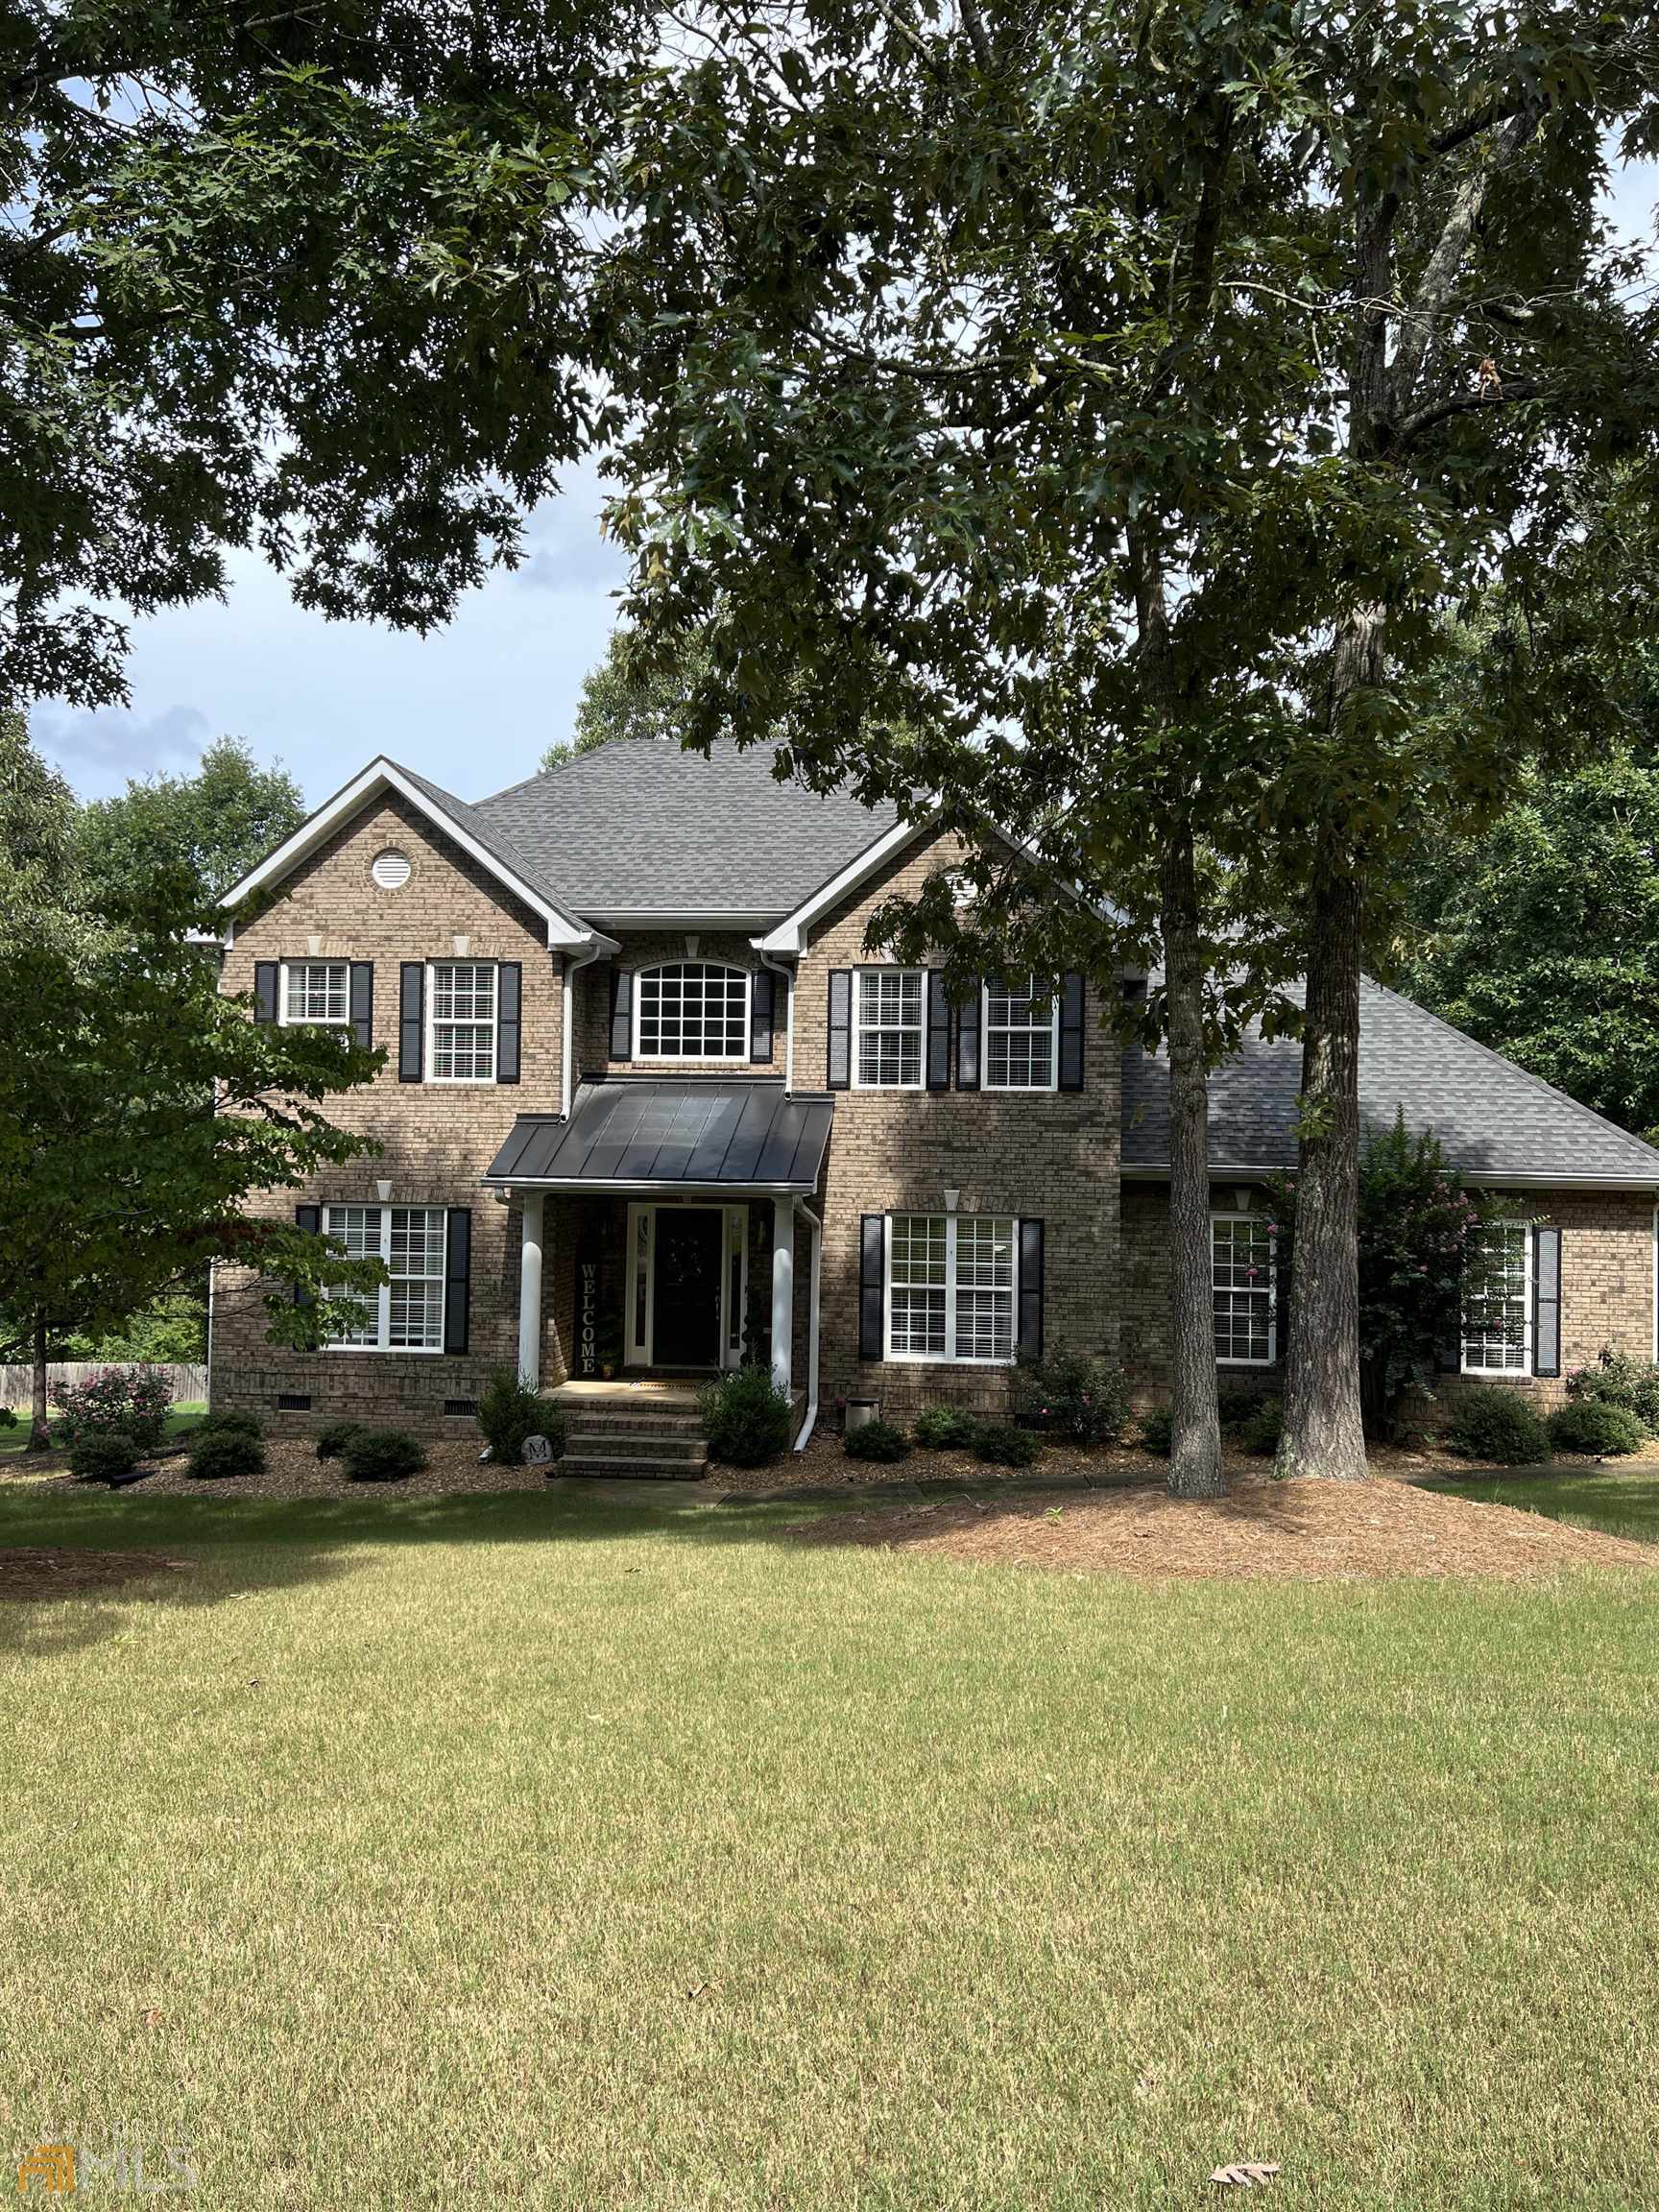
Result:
pixel 186 1383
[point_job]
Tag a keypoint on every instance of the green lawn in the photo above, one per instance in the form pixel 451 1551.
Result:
pixel 1626 1504
pixel 180 1422
pixel 538 1851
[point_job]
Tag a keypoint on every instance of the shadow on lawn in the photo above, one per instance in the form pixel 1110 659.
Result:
pixel 230 1548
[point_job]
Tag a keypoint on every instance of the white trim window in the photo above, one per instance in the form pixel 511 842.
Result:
pixel 405 1314
pixel 1497 1321
pixel 952 1287
pixel 1022 1038
pixel 692 1010
pixel 1242 1251
pixel 892 1019
pixel 316 991
pixel 461 1029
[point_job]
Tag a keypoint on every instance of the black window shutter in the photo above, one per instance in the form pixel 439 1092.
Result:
pixel 871 1286
pixel 308 1220
pixel 1071 1033
pixel 838 1074
pixel 938 1032
pixel 509 1000
pixel 411 1021
pixel 363 1003
pixel 621 1014
pixel 1031 1289
pixel 458 1279
pixel 265 981
pixel 1545 1301
pixel 760 1014
pixel 968 1042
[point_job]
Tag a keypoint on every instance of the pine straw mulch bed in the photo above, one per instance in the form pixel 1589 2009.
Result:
pixel 37 1571
pixel 1265 1531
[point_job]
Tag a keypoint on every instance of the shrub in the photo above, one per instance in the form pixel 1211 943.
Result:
pixel 130 1400
pixel 1158 1432
pixel 1497 1424
pixel 508 1413
pixel 878 1440
pixel 7 1418
pixel 1259 1431
pixel 332 1443
pixel 1067 1394
pixel 745 1417
pixel 237 1420
pixel 945 1429
pixel 1236 1404
pixel 1003 1445
pixel 101 1454
pixel 218 1454
pixel 1596 1425
pixel 382 1455
pixel 1617 1379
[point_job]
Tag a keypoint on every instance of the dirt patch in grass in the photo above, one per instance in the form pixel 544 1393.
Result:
pixel 37 1571
pixel 1265 1531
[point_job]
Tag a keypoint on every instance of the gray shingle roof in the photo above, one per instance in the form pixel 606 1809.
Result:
pixel 733 1133
pixel 1493 1119
pixel 529 869
pixel 634 827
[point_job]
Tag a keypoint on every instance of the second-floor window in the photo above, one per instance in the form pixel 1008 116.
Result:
pixel 692 1010
pixel 314 991
pixel 892 1014
pixel 1022 1038
pixel 462 1031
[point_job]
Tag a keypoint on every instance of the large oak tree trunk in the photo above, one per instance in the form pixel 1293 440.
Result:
pixel 1196 1445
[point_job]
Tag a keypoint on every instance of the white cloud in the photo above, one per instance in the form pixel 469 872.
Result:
pixel 98 749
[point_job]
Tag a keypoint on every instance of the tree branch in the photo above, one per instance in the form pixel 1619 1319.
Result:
pixel 1434 287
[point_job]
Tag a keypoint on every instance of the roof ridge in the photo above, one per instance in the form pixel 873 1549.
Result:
pixel 1513 1066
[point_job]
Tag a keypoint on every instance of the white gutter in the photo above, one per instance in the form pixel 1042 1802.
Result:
pixel 779 968
pixel 815 1229
pixel 584 958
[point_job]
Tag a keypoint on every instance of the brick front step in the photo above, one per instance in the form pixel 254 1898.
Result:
pixel 628 1470
pixel 634 1443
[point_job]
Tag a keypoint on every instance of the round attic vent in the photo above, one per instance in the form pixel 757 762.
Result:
pixel 391 869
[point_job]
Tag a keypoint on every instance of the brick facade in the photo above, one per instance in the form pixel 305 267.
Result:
pixel 1050 1155
pixel 1607 1284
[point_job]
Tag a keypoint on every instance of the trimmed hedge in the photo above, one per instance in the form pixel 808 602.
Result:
pixel 945 1429
pixel 745 1417
pixel 878 1440
pixel 332 1443
pixel 1596 1425
pixel 382 1455
pixel 1000 1444
pixel 217 1454
pixel 1158 1432
pixel 101 1454
pixel 1497 1424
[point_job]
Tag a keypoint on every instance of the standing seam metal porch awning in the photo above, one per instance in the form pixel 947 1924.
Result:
pixel 666 1133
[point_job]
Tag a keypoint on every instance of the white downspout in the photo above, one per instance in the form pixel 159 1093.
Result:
pixel 567 1025
pixel 815 1229
pixel 778 968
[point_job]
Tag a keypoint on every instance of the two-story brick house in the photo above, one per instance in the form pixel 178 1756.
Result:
pixel 649 1105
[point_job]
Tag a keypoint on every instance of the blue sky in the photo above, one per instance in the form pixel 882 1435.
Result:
pixel 473 707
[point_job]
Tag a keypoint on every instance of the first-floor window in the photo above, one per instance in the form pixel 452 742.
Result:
pixel 950 1287
pixel 314 991
pixel 1498 1316
pixel 1241 1288
pixel 407 1313
pixel 463 1021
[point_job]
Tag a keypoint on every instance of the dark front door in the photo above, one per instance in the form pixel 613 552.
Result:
pixel 686 1312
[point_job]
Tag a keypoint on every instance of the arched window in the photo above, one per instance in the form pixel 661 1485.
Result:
pixel 692 1010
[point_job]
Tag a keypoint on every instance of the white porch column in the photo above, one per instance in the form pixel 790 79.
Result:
pixel 782 1290
pixel 530 1293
